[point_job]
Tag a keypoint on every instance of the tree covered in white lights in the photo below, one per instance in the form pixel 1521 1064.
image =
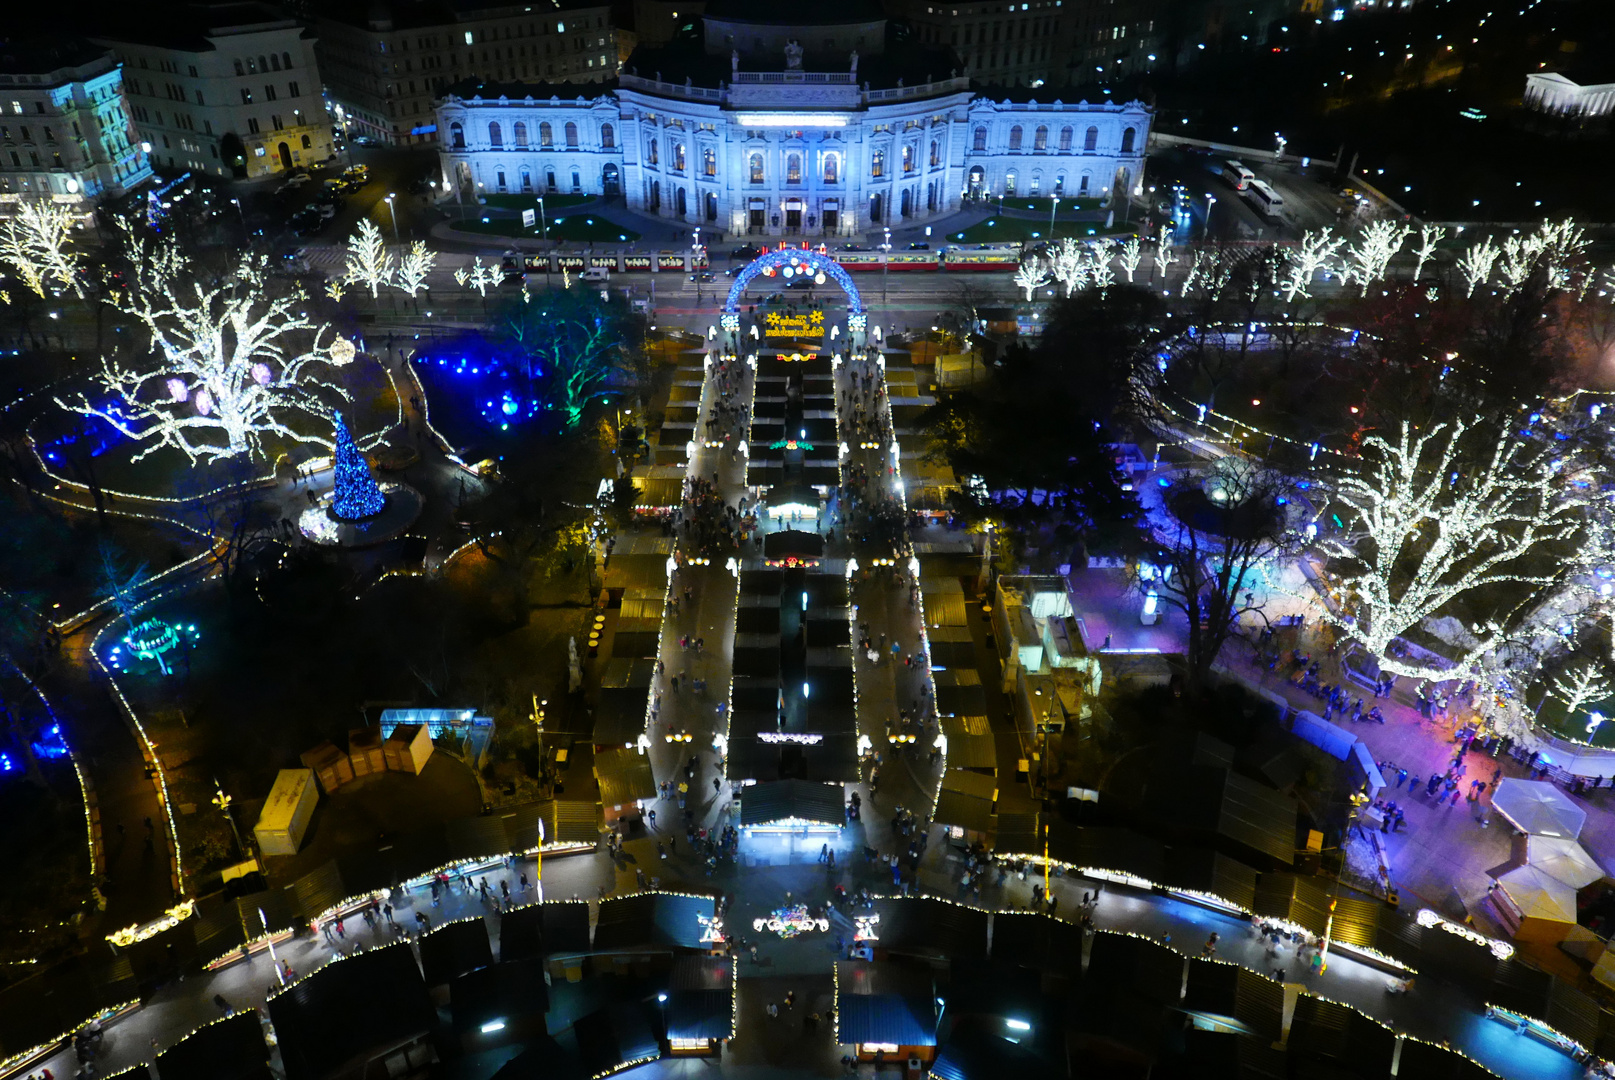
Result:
pixel 368 261
pixel 1369 256
pixel 1068 262
pixel 229 362
pixel 1475 263
pixel 1132 253
pixel 36 242
pixel 416 263
pixel 1315 252
pixel 1429 237
pixel 1466 513
pixel 1031 274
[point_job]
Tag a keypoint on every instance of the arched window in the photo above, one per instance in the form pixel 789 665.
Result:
pixel 936 152
pixel 832 168
pixel 793 168
pixel 608 136
pixel 650 149
pixel 877 163
pixel 308 143
pixel 1040 139
pixel 981 140
pixel 527 178
pixel 263 63
pixel 286 60
pixel 1065 140
pixel 1127 140
pixel 1082 189
pixel 274 62
pixel 678 156
pixel 754 164
pixel 571 135
pixel 1037 182
pixel 549 179
pixel 1015 139
pixel 1059 184
pixel 709 161
pixel 577 181
pixel 1090 141
pixel 495 137
pixel 456 136
pixel 520 132
pixel 546 135
pixel 1009 183
pixel 908 158
pixel 500 178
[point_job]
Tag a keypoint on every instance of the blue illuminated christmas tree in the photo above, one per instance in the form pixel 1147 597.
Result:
pixel 357 495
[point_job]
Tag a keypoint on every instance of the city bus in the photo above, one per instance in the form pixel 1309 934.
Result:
pixel 1238 177
pixel 1267 201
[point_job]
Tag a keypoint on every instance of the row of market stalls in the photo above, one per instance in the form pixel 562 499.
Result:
pixel 642 983
pixel 973 995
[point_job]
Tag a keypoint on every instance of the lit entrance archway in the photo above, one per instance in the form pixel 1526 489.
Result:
pixel 788 263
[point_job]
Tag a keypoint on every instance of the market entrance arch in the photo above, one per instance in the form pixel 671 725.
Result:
pixel 788 263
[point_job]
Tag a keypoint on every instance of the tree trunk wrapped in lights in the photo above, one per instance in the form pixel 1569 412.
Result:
pixel 1439 517
pixel 229 363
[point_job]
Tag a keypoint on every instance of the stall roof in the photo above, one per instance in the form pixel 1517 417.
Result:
pixel 651 920
pixel 349 1010
pixel 228 1049
pixel 1027 939
pixel 1430 1061
pixel 972 752
pixel 1327 1030
pixel 885 1003
pixel 1147 966
pixel 521 934
pixel 777 800
pixel 787 542
pixel 963 811
pixel 974 784
pixel 611 1037
pixel 453 949
pixel 976 1055
pixel 700 998
pixel 237 921
pixel 1300 900
pixel 1220 989
pixel 1244 813
pixel 575 821
pixel 564 927
pixel 636 572
pixel 476 837
pixel 619 717
pixel 1206 871
pixel 1105 849
pixel 624 775
pixel 929 926
pixel 515 987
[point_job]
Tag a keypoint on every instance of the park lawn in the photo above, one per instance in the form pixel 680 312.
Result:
pixel 1007 230
pixel 591 228
pixel 1073 207
pixel 552 203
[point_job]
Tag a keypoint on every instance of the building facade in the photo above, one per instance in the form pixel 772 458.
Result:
pixel 783 150
pixel 1558 94
pixel 65 127
pixel 229 89
pixel 385 64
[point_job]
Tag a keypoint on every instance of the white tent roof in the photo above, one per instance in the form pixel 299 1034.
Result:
pixel 1563 860
pixel 1538 808
pixel 1539 896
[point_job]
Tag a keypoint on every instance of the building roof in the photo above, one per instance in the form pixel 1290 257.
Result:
pixel 420 14
pixel 467 89
pixel 229 1049
pixel 193 27
pixel 804 800
pixel 350 1009
pixel 651 920
pixel 454 949
pixel 885 1003
pixel 700 998
pixel 624 775
pixel 515 987
pixel 42 56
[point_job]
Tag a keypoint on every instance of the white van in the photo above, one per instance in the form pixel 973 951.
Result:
pixel 1237 175
pixel 599 274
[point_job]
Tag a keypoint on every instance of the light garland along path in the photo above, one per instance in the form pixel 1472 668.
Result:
pixel 708 614
pixel 896 694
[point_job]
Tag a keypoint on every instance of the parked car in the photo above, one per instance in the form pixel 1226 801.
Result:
pixel 358 173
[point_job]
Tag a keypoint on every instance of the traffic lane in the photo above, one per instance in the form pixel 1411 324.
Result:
pixel 1232 217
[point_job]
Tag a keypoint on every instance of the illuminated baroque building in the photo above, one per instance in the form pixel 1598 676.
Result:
pixel 774 127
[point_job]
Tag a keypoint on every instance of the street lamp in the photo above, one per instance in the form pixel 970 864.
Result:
pixel 1210 202
pixel 223 801
pixel 1053 209
pixel 393 210
pixel 544 232
pixel 885 263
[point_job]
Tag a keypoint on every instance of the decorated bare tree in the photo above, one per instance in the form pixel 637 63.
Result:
pixel 1099 269
pixel 1069 264
pixel 36 242
pixel 1463 512
pixel 480 277
pixel 1316 251
pixel 1429 237
pixel 1375 247
pixel 229 364
pixel 368 261
pixel 1164 255
pixel 1132 253
pixel 574 346
pixel 413 268
pixel 1475 263
pixel 1031 275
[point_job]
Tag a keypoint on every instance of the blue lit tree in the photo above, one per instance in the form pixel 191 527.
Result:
pixel 357 494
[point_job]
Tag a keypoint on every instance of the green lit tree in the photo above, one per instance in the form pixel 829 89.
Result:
pixel 575 347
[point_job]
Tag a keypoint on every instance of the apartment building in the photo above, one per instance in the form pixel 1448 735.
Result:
pixel 65 129
pixel 230 89
pixel 386 61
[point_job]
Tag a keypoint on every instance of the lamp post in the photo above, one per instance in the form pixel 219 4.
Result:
pixel 695 263
pixel 544 232
pixel 393 210
pixel 885 263
pixel 1211 200
pixel 1054 208
pixel 223 801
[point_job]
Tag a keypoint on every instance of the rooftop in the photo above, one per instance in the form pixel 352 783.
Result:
pixel 42 56
pixel 191 27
